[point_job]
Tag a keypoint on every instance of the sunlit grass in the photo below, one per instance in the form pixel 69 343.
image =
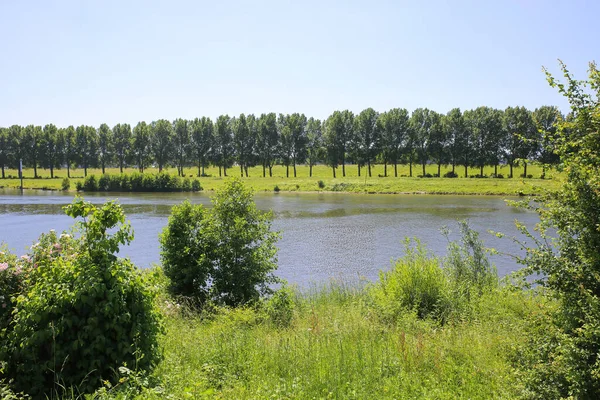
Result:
pixel 351 183
pixel 337 347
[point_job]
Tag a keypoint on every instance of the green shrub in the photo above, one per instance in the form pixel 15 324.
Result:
pixel 415 283
pixel 468 265
pixel 280 307
pixel 276 188
pixel 90 183
pixel 65 184
pixel 196 187
pixel 85 311
pixel 11 284
pixel 321 184
pixel 226 254
pixel 562 357
pixel 183 251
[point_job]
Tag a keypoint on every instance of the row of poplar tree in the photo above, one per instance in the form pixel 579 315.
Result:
pixel 474 138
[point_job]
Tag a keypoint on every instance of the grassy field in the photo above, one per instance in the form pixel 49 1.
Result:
pixel 351 183
pixel 336 347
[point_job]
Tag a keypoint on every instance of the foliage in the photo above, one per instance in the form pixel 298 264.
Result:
pixel 137 182
pixel 226 254
pixel 441 289
pixel 562 357
pixel 183 251
pixel 65 184
pixel 84 311
pixel 280 307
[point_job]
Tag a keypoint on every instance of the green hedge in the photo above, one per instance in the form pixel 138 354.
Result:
pixel 137 182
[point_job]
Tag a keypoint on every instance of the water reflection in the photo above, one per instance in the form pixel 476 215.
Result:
pixel 325 235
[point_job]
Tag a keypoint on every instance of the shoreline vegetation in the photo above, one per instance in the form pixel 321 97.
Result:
pixel 321 181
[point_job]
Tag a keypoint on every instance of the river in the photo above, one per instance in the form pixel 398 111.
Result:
pixel 325 236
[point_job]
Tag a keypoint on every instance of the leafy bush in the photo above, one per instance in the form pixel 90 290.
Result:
pixel 450 174
pixel 85 312
pixel 11 284
pixel 226 254
pixel 184 251
pixel 321 184
pixel 468 265
pixel 276 188
pixel 65 184
pixel 137 182
pixel 562 358
pixel 415 283
pixel 280 307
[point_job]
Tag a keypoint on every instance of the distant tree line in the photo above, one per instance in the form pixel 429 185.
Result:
pixel 474 138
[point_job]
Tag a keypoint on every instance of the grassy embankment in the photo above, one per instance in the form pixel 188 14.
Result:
pixel 351 183
pixel 337 347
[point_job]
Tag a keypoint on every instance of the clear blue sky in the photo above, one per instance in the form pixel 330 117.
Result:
pixel 76 62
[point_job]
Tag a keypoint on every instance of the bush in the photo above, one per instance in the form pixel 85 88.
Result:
pixel 65 184
pixel 450 174
pixel 226 254
pixel 468 265
pixel 415 283
pixel 321 184
pixel 562 357
pixel 276 188
pixel 85 311
pixel 137 182
pixel 11 284
pixel 183 251
pixel 90 184
pixel 280 307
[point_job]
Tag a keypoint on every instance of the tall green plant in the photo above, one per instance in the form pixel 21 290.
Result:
pixel 563 358
pixel 84 312
pixel 227 254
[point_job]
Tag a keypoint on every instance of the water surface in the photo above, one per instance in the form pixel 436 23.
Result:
pixel 324 235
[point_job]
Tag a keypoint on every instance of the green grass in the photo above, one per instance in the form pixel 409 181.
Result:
pixel 351 183
pixel 337 347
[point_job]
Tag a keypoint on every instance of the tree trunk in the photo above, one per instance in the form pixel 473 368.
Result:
pixel 310 170
pixel 333 169
pixel 220 171
pixel 496 170
pixel 121 166
pixel 511 169
pixel 159 168
pixel 3 171
pixel 439 170
pixel 344 166
pixel 85 170
pixel 524 169
pixel 241 171
pixel 224 170
pixel 35 169
pixel 423 169
pixel 358 165
pixel 51 172
pixel 294 168
pixel 466 171
pixel 481 171
pixel 246 169
pixel 264 170
pixel 287 171
pixel 102 167
pixel 199 169
pixel 203 169
pixel 270 170
pixel 395 169
pixel 385 169
pixel 410 168
pixel 369 167
pixel 453 167
pixel 68 171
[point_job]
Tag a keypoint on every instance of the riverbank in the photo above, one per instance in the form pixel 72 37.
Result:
pixel 335 346
pixel 322 181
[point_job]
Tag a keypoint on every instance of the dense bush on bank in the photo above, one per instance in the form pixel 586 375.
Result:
pixel 72 312
pixel 138 182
